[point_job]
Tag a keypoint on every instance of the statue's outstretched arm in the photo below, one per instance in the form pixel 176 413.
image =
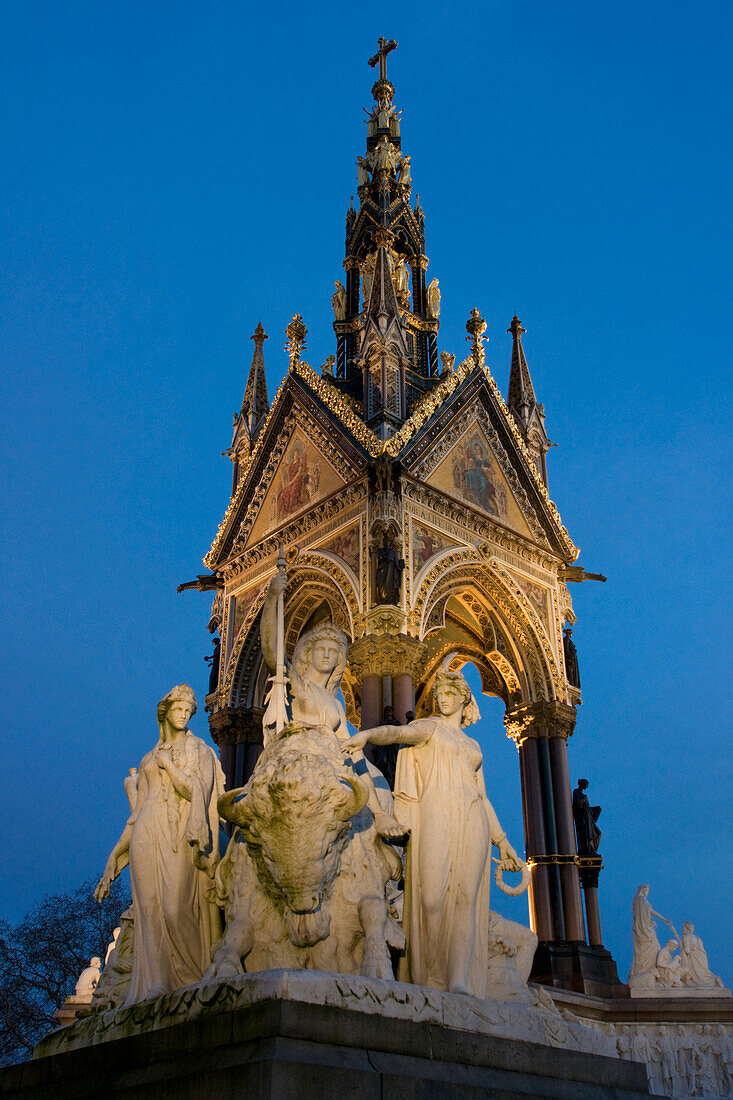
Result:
pixel 413 734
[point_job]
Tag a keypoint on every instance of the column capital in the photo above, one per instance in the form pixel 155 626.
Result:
pixel 386 655
pixel 543 718
pixel 236 726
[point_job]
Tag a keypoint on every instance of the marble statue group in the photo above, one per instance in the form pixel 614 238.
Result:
pixel 326 868
pixel 681 965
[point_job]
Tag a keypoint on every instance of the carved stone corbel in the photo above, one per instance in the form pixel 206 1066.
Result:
pixel 236 726
pixel 390 655
pixel 544 718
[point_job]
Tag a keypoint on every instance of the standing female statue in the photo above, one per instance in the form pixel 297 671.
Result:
pixel 171 843
pixel 646 944
pixel 433 297
pixel 441 798
pixel 314 677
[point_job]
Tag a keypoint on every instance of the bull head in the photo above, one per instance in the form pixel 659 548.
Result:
pixel 357 800
pixel 233 806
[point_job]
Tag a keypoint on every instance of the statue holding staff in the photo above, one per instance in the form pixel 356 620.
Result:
pixel 307 690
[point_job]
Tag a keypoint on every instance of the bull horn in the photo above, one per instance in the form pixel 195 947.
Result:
pixel 358 799
pixel 232 810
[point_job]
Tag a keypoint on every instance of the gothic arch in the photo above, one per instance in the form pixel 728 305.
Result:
pixel 311 582
pixel 528 671
pixel 245 676
pixel 460 653
pixel 245 655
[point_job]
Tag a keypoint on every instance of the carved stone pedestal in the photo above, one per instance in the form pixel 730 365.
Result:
pixel 578 967
pixel 286 1033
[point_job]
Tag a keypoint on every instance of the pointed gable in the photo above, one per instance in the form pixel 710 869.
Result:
pixel 471 472
pixel 302 479
pixel 467 400
pixel 303 454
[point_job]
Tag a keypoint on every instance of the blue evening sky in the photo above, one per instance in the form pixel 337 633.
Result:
pixel 175 172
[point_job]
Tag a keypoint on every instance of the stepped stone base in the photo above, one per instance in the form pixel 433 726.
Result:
pixel 305 1035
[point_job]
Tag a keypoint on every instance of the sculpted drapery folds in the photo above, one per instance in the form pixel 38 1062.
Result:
pixel 171 843
pixel 314 675
pixel 440 798
pixel 304 877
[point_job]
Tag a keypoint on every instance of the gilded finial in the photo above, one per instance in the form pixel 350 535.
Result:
pixel 296 333
pixel 476 327
pixel 516 328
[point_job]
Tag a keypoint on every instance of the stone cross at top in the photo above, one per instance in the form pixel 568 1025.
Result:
pixel 381 56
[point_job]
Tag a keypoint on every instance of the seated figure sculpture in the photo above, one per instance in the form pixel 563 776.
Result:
pixel 304 876
pixel 694 961
pixel 313 681
pixel 440 798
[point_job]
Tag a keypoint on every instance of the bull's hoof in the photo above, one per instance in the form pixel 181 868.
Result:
pixel 376 963
pixel 223 968
pixel 388 826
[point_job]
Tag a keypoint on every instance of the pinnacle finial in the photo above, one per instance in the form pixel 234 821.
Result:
pixel 296 333
pixel 476 327
pixel 516 328
pixel 259 336
pixel 380 56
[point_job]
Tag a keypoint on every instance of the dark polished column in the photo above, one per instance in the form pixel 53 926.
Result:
pixel 237 731
pixel 589 878
pixel 371 701
pixel 404 696
pixel 385 666
pixel 535 841
pixel 563 957
pixel 572 902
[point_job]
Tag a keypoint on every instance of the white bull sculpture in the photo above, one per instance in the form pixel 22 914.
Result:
pixel 303 880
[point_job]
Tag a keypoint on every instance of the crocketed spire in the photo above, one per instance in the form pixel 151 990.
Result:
pixel 522 403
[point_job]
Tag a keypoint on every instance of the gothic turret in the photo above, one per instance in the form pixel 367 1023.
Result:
pixel 386 320
pixel 255 406
pixel 522 403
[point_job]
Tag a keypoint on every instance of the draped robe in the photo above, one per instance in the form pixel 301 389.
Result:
pixel 174 849
pixel 440 797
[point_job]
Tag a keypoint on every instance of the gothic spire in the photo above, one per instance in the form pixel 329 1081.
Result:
pixel 522 403
pixel 385 267
pixel 255 407
pixel 521 398
pixel 256 403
